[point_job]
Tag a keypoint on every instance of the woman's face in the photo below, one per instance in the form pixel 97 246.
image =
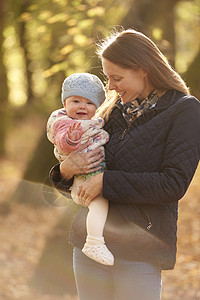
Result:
pixel 127 82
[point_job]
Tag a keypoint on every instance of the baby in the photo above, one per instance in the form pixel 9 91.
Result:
pixel 67 129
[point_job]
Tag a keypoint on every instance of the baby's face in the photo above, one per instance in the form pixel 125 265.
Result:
pixel 79 108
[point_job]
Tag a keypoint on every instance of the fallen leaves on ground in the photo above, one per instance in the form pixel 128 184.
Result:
pixel 24 231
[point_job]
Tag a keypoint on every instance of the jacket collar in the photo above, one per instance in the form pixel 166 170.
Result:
pixel 168 99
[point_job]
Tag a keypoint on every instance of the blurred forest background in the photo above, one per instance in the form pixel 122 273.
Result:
pixel 42 42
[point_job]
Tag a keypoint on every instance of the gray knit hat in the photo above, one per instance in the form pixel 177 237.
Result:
pixel 85 85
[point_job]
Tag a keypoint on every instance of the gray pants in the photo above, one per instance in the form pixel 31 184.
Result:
pixel 126 280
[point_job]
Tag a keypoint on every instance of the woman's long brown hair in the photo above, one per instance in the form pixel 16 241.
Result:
pixel 132 49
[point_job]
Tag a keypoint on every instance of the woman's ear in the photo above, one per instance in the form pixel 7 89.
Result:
pixel 144 72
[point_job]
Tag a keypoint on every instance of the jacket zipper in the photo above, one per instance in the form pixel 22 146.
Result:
pixel 146 220
pixel 126 129
pixel 123 134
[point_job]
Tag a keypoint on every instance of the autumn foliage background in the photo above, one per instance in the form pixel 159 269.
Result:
pixel 42 42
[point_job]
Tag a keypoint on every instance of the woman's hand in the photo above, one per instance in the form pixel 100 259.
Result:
pixel 90 188
pixel 81 163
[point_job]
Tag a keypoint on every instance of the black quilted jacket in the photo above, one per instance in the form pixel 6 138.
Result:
pixel 149 168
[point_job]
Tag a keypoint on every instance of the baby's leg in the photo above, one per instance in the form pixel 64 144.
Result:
pixel 97 215
pixel 77 182
pixel 96 218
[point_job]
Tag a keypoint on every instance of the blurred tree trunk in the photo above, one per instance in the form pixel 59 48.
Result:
pixel 30 189
pixel 192 78
pixel 3 82
pixel 18 8
pixel 146 15
pixel 21 28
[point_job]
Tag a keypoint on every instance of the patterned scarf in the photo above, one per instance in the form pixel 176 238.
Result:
pixel 133 110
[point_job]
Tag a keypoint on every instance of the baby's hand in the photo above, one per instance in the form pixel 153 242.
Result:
pixel 75 131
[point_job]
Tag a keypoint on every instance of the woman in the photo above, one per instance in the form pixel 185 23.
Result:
pixel 152 155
